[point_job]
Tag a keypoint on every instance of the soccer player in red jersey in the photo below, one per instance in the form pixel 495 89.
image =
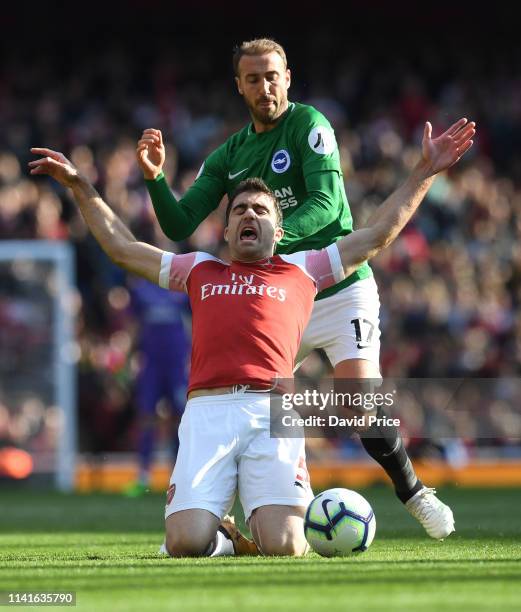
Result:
pixel 248 319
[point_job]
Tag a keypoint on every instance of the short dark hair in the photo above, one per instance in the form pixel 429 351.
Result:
pixel 254 185
pixel 258 46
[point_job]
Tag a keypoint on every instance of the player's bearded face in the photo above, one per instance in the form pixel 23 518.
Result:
pixel 263 82
pixel 252 229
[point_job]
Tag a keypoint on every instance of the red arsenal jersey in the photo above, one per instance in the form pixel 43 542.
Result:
pixel 248 318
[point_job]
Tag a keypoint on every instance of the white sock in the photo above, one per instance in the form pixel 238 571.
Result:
pixel 221 546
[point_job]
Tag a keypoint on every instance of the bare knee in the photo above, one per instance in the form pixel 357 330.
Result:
pixel 290 546
pixel 190 532
pixel 279 530
pixel 179 544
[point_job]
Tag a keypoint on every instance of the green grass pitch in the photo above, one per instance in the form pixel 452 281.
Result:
pixel 104 548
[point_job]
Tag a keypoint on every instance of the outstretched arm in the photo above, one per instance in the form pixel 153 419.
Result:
pixel 392 216
pixel 115 238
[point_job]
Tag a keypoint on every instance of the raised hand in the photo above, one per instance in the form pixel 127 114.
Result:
pixel 54 164
pixel 442 152
pixel 150 153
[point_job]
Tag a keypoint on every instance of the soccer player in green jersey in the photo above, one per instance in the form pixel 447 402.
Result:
pixel 292 147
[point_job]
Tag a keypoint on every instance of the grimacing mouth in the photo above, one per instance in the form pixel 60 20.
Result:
pixel 248 232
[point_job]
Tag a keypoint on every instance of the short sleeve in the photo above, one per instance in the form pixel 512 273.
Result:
pixel 175 270
pixel 325 266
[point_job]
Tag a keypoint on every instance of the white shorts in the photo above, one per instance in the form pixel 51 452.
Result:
pixel 224 447
pixel 346 325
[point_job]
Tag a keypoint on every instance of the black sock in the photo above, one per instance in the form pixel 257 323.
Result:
pixel 385 445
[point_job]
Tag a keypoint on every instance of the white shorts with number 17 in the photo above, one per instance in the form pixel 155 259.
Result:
pixel 346 325
pixel 225 447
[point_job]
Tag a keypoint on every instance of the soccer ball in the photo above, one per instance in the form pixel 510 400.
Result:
pixel 339 522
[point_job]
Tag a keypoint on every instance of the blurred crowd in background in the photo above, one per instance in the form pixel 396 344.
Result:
pixel 450 286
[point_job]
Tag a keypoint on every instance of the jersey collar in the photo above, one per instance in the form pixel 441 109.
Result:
pixel 259 263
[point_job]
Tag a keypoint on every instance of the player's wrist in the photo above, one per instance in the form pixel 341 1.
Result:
pixel 81 185
pixel 423 170
pixel 76 180
pixel 153 176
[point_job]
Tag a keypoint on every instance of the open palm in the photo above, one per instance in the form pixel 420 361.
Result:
pixel 445 150
pixel 54 164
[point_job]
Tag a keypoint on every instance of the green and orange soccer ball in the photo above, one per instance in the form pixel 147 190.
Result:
pixel 339 523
